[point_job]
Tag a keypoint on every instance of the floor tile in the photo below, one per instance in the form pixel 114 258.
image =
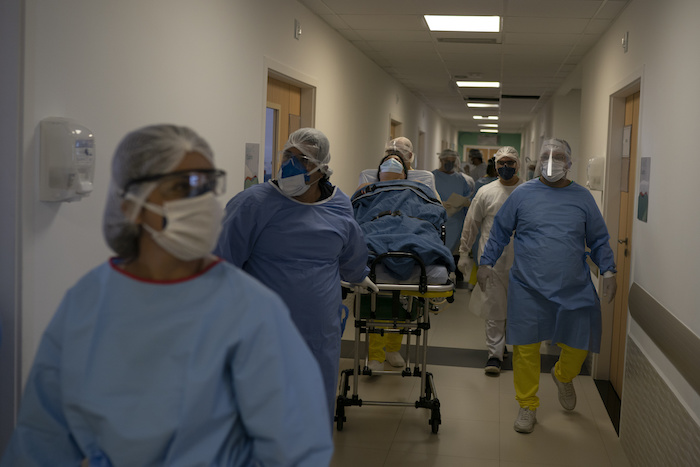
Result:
pixel 352 456
pixel 408 459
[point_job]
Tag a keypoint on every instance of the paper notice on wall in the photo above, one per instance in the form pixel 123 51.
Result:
pixel 252 160
pixel 643 199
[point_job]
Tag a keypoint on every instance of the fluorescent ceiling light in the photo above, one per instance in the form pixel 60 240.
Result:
pixel 485 117
pixel 477 105
pixel 478 84
pixel 463 23
pixel 488 125
pixel 489 131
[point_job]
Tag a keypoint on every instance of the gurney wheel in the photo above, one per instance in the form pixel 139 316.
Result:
pixel 339 418
pixel 435 420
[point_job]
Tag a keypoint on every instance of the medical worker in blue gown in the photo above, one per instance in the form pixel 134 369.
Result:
pixel 550 292
pixel 297 235
pixel 455 193
pixel 166 355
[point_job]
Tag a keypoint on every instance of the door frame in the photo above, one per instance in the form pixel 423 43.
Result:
pixel 282 72
pixel 611 204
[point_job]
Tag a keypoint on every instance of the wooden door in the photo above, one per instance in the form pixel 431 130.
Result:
pixel 624 245
pixel 285 98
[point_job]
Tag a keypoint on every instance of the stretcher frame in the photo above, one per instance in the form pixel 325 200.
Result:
pixel 419 295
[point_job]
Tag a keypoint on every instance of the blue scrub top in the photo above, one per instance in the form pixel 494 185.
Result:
pixel 208 370
pixel 447 184
pixel 301 251
pixel 550 292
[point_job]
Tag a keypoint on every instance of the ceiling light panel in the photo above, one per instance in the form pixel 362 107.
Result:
pixel 485 117
pixel 477 105
pixel 463 23
pixel 489 131
pixel 478 84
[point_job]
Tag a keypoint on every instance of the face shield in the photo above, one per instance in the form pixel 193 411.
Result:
pixel 555 159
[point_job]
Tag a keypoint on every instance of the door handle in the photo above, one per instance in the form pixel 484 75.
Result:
pixel 622 241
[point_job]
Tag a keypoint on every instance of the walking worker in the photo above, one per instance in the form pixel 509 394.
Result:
pixel 167 355
pixel 550 292
pixel 491 304
pixel 455 194
pixel 297 234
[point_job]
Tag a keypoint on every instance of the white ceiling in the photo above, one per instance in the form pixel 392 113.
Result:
pixel 540 44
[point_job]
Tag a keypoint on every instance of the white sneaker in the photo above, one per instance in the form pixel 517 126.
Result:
pixel 375 365
pixel 395 359
pixel 567 393
pixel 526 420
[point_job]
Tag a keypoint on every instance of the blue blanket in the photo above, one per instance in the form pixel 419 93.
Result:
pixel 402 215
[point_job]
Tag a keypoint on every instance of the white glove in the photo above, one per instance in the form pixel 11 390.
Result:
pixel 368 284
pixel 484 275
pixel 465 265
pixel 609 285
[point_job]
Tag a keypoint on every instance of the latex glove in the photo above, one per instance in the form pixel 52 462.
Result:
pixel 368 284
pixel 484 275
pixel 465 264
pixel 609 285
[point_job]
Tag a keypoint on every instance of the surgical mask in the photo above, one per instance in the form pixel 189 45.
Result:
pixel 292 177
pixel 506 173
pixel 449 166
pixel 555 172
pixel 191 226
pixel 391 165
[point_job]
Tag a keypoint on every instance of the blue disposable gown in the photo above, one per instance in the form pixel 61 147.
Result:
pixel 550 293
pixel 300 251
pixel 204 371
pixel 447 184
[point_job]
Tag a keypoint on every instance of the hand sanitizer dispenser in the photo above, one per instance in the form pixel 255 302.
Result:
pixel 67 160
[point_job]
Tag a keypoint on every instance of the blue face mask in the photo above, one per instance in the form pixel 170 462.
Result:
pixel 293 176
pixel 449 166
pixel 293 167
pixel 506 173
pixel 391 165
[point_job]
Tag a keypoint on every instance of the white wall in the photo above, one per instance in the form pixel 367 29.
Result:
pixel 115 66
pixel 663 41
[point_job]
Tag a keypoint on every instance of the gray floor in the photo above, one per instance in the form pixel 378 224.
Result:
pixel 477 411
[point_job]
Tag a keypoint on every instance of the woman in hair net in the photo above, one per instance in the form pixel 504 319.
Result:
pixel 297 235
pixel 165 354
pixel 550 292
pixel 491 304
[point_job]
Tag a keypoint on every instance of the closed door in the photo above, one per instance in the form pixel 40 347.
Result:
pixel 624 241
pixel 284 108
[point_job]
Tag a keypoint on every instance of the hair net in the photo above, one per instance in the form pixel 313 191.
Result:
pixel 476 154
pixel 150 150
pixel 448 153
pixel 314 145
pixel 401 146
pixel 507 151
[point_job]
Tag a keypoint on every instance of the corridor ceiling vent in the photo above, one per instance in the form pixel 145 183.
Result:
pixel 463 23
pixel 470 40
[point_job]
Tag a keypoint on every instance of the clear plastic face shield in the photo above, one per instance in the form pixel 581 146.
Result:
pixel 555 159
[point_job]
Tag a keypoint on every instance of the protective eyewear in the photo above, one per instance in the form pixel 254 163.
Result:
pixel 504 163
pixel 185 183
pixel 307 161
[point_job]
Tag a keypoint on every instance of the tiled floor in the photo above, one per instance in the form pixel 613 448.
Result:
pixel 477 415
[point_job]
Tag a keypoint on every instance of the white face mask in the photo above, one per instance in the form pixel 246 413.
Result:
pixel 555 171
pixel 192 226
pixel 295 185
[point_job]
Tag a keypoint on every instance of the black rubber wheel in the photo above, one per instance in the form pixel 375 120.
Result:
pixel 435 420
pixel 339 418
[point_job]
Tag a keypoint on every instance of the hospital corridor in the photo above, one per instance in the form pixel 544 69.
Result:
pixel 477 411
pixel 349 233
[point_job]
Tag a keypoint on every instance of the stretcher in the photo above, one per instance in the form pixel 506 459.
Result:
pixel 399 307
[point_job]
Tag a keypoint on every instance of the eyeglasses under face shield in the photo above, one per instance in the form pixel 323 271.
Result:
pixel 184 183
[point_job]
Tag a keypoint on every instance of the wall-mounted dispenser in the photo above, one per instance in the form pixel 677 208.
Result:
pixel 67 160
pixel 595 172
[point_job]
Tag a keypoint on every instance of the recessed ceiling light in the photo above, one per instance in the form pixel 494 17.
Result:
pixel 463 23
pixel 474 105
pixel 478 84
pixel 489 131
pixel 485 117
pixel 489 125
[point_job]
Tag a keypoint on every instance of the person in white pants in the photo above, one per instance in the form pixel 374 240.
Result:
pixel 491 304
